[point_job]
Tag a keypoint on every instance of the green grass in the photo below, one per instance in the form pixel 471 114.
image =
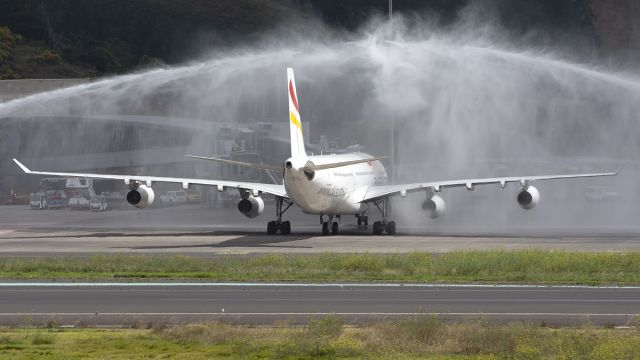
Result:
pixel 326 338
pixel 531 266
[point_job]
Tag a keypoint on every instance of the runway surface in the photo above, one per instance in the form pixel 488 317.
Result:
pixel 195 231
pixel 109 304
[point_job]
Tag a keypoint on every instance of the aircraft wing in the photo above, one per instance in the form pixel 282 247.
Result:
pixel 382 191
pixel 274 189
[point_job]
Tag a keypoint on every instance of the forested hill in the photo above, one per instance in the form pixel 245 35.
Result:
pixel 71 38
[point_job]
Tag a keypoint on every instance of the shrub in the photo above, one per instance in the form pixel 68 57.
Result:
pixel 330 326
pixel 45 57
pixel 41 338
pixel 423 328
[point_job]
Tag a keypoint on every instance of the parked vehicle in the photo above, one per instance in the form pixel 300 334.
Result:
pixel 50 195
pixel 38 201
pixel 600 193
pixel 98 203
pixel 17 199
pixel 171 197
pixel 56 199
pixel 193 196
pixel 80 192
pixel 115 200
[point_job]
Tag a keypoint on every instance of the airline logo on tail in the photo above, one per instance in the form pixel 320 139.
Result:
pixel 295 116
pixel 297 139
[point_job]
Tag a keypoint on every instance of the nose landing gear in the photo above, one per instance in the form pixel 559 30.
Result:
pixel 325 225
pixel 363 220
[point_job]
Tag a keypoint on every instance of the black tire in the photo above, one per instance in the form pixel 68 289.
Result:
pixel 334 228
pixel 325 228
pixel 378 228
pixel 391 228
pixel 272 228
pixel 285 228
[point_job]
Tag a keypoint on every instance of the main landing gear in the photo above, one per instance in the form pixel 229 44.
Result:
pixel 384 226
pixel 326 224
pixel 278 225
pixel 363 220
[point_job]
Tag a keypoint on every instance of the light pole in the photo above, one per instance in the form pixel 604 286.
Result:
pixel 392 141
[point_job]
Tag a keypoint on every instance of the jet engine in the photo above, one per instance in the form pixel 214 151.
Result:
pixel 141 197
pixel 529 197
pixel 251 207
pixel 435 206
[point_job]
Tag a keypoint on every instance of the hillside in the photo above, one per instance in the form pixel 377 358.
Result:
pixel 86 38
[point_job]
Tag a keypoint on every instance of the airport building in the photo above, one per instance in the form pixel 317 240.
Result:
pixel 137 144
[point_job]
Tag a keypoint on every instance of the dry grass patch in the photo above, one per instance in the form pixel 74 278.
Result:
pixel 418 337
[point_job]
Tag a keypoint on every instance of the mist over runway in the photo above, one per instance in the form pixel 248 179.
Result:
pixel 211 232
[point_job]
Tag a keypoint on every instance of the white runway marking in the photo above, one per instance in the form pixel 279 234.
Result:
pixel 339 285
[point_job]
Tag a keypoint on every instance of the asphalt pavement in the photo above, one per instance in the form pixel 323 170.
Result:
pixel 128 304
pixel 205 232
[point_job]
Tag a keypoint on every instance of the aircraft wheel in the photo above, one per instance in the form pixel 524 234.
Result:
pixel 285 228
pixel 325 228
pixel 334 228
pixel 272 228
pixel 391 228
pixel 378 228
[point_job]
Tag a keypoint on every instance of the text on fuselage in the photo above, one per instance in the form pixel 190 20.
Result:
pixel 331 192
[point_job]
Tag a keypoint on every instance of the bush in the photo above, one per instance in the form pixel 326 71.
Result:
pixel 482 338
pixel 330 326
pixel 8 38
pixel 41 338
pixel 45 57
pixel 423 328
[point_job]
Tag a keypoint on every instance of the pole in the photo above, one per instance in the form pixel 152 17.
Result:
pixel 392 142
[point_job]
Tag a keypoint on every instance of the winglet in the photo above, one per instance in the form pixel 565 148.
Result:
pixel 24 168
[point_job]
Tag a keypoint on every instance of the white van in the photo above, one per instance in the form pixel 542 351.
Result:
pixel 171 197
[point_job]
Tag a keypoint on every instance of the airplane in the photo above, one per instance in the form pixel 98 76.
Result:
pixel 327 185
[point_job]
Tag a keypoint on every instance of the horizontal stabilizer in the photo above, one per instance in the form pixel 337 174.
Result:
pixel 239 163
pixel 342 163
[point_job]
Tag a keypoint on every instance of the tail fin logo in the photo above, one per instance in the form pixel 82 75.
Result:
pixel 295 120
pixel 292 93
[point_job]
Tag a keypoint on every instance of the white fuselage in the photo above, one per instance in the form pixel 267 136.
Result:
pixel 335 191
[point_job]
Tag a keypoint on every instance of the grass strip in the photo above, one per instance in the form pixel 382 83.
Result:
pixel 529 266
pixel 420 337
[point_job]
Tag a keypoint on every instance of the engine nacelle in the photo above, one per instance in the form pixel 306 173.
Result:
pixel 435 206
pixel 141 197
pixel 529 197
pixel 251 206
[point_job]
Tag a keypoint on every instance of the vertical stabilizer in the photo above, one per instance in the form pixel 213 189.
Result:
pixel 295 120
